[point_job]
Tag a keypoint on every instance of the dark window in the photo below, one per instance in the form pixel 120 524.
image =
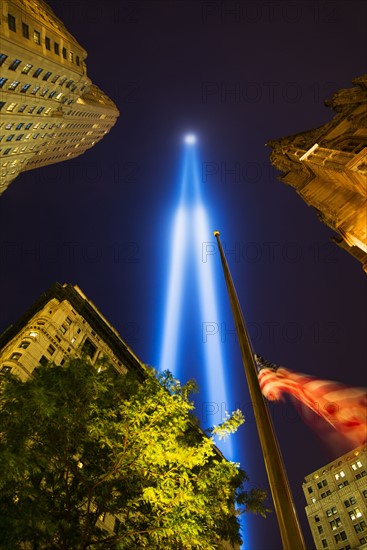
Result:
pixel 320 529
pixel 47 43
pixel 362 474
pixel 310 490
pixel 24 344
pixel 47 75
pixel 89 348
pixel 37 72
pixel 43 361
pixel 324 543
pixel 15 356
pixel 2 58
pixel 51 349
pixel 11 22
pixel 77 60
pixel 56 48
pixel 25 30
pixel 14 64
pixel 69 84
pixel 52 93
pixel 2 103
pixel 2 81
pixel 64 53
pixel 25 88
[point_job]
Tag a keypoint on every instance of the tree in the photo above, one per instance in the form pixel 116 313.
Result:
pixel 79 441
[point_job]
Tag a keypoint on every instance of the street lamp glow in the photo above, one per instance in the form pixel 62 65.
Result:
pixel 190 139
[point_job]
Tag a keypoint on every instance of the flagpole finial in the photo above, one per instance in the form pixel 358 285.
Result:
pixel 216 234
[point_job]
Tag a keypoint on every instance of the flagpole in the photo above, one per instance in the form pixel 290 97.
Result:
pixel 289 527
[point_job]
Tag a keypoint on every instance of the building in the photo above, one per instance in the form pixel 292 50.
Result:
pixel 336 496
pixel 50 110
pixel 327 166
pixel 63 323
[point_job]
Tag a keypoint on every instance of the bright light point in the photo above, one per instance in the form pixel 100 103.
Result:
pixel 216 233
pixel 190 139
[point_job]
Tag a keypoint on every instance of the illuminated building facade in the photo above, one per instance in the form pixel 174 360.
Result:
pixel 50 110
pixel 327 166
pixel 63 323
pixel 336 496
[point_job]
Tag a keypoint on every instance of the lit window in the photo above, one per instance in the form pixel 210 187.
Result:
pixel 22 108
pixel 5 369
pixel 71 57
pixel 15 356
pixel 37 37
pixel 44 92
pixel 357 465
pixel 25 30
pixel 59 95
pixel 14 85
pixel 51 349
pixel 14 64
pixel 32 109
pixel 339 475
pixel 27 68
pixel 35 90
pixel 11 107
pixel 11 22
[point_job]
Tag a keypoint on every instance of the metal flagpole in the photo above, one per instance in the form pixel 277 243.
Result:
pixel 289 527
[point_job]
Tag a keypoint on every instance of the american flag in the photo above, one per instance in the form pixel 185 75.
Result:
pixel 343 407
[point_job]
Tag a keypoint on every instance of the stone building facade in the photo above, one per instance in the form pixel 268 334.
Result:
pixel 327 166
pixel 49 109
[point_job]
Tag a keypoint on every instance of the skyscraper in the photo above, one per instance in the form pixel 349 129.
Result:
pixel 327 166
pixel 50 110
pixel 336 496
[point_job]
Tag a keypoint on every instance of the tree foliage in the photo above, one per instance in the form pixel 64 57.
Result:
pixel 79 442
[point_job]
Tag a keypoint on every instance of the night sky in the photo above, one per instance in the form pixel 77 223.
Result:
pixel 238 74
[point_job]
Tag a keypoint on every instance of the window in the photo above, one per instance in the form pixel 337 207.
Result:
pixel 62 361
pixel 331 511
pixel 317 518
pixel 51 349
pixel 320 529
pixel 322 484
pixel 362 541
pixel 37 37
pixel 62 81
pixel 357 465
pixel 27 68
pixel 323 495
pixel 14 64
pixel 9 138
pixel 310 490
pixel 344 484
pixel 55 78
pixel 362 474
pixel 11 107
pixel 37 72
pixel 355 514
pixel 22 108
pixel 364 493
pixel 14 85
pixel 69 84
pixel 24 344
pixel 64 53
pixel 32 109
pixel 77 60
pixel 71 57
pixel 324 543
pixel 25 88
pixel 47 75
pixel 68 320
pixel 47 43
pixel 43 361
pixel 2 81
pixel 335 523
pixel 2 58
pixel 11 23
pixel 352 500
pixel 339 475
pixel 56 48
pixel 52 93
pixel 15 356
pixel 19 138
pixel 5 369
pixel 29 125
pixel 62 329
pixel 340 536
pixel 19 126
pixel 89 348
pixel 25 30
pixel 360 526
pixel 34 91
